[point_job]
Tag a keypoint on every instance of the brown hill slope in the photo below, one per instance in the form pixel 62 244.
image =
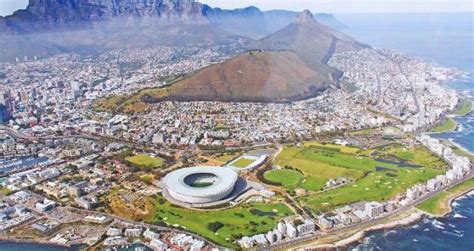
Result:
pixel 255 77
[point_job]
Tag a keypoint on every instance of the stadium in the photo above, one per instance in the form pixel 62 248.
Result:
pixel 202 186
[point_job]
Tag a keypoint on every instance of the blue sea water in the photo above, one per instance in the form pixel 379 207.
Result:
pixel 454 232
pixel 447 40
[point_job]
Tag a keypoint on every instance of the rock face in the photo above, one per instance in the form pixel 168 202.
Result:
pixel 305 16
pixel 44 15
pixel 57 15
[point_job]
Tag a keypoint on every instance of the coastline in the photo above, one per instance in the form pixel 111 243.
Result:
pixel 4 240
pixel 448 203
pixel 413 217
pixel 452 199
pixel 403 219
pixel 451 141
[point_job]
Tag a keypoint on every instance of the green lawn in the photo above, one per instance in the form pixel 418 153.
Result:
pixel 465 108
pixel 242 162
pixel 285 177
pixel 146 161
pixel 378 174
pixel 438 205
pixel 226 157
pixel 448 125
pixel 248 219
pixel 5 191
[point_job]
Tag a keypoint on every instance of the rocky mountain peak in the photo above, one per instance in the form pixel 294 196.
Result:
pixel 305 16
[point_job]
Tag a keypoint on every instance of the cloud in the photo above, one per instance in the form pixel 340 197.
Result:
pixel 7 7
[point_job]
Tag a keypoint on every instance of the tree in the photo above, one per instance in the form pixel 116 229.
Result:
pixel 215 226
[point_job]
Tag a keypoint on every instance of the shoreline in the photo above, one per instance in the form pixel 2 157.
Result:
pixel 414 216
pixel 356 237
pixel 460 146
pixel 7 240
pixel 449 203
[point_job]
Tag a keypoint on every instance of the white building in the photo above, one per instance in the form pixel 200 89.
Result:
pixel 374 209
pixel 307 227
pixel 246 242
pixel 325 223
pixel 291 231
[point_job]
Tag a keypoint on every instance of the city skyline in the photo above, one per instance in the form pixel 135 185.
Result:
pixel 7 7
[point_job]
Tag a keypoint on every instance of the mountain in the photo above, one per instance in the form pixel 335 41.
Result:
pixel 253 77
pixel 253 23
pixel 67 15
pixel 289 65
pixel 313 42
pixel 47 15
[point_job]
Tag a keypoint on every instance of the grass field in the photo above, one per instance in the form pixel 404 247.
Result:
pixel 286 177
pixel 5 191
pixel 448 125
pixel 465 108
pixel 439 204
pixel 248 219
pixel 242 162
pixel 378 174
pixel 146 161
pixel 226 157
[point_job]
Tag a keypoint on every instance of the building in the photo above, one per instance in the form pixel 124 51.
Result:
pixel 291 231
pixel 307 227
pixel 151 235
pixel 433 184
pixel 413 193
pixel 246 242
pixel 281 227
pixel 199 185
pixel 45 205
pixel 157 244
pixel 374 209
pixel 325 223
pixel 4 115
pixel 87 202
pixel 133 232
pixel 114 231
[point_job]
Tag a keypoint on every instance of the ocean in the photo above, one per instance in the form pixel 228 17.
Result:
pixel 447 40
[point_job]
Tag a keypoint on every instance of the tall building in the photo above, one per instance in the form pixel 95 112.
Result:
pixel 3 113
pixel 5 107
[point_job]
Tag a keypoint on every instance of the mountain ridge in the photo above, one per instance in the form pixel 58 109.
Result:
pixel 57 15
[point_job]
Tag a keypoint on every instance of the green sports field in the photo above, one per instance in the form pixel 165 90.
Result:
pixel 378 174
pixel 286 177
pixel 242 162
pixel 146 161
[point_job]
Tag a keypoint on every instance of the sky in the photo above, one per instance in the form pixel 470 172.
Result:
pixel 330 6
pixel 353 6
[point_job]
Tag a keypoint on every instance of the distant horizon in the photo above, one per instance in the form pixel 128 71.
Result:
pixel 8 7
